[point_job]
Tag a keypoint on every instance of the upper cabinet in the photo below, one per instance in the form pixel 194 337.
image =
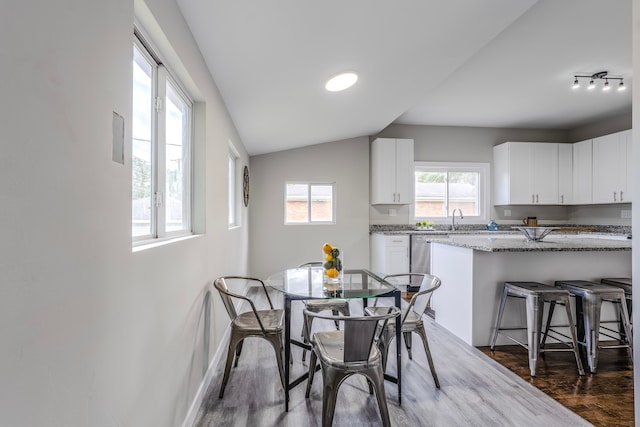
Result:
pixel 391 171
pixel 593 171
pixel 525 173
pixel 611 154
pixel 583 172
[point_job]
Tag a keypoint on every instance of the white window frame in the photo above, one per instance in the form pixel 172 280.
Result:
pixel 309 186
pixel 160 78
pixel 483 169
pixel 234 187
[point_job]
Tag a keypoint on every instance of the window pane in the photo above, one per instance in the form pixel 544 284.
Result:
pixel 430 191
pixel 297 205
pixel 321 203
pixel 463 192
pixel 141 202
pixel 176 167
pixel 232 189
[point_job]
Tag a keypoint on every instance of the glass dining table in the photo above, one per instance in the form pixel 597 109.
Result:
pixel 306 283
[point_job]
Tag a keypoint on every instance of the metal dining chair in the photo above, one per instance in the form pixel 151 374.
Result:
pixel 267 324
pixel 352 350
pixel 411 319
pixel 336 306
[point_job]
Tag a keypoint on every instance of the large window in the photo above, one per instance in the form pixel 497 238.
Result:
pixel 442 187
pixel 161 151
pixel 309 203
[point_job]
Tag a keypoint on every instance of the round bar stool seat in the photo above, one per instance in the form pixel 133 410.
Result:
pixel 589 298
pixel 535 295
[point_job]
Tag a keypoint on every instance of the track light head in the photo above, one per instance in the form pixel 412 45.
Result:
pixel 621 86
pixel 606 85
pixel 576 83
pixel 592 85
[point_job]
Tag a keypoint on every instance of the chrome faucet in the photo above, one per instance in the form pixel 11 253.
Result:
pixel 453 218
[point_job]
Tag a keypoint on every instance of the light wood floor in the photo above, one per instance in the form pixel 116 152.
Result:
pixel 476 390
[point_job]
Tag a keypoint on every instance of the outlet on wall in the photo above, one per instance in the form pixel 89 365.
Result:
pixel 625 213
pixel 393 212
pixel 507 212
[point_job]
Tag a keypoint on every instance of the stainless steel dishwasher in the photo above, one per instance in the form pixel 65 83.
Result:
pixel 420 262
pixel 420 255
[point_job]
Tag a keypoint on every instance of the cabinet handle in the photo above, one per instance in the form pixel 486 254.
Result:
pixel 620 195
pixel 614 196
pixel 394 197
pixel 562 198
pixel 537 200
pixel 533 198
pixel 398 197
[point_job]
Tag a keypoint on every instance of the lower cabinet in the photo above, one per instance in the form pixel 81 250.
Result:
pixel 389 254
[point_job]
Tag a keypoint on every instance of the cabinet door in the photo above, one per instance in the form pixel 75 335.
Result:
pixel 628 141
pixel 609 168
pixel 545 173
pixel 565 174
pixel 582 172
pixel 396 259
pixel 383 171
pixel 404 171
pixel 521 173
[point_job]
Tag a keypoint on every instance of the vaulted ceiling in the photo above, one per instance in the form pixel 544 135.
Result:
pixel 489 63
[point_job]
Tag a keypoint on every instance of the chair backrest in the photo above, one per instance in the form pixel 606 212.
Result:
pixel 227 296
pixel 221 285
pixel 420 300
pixel 360 332
pixel 311 264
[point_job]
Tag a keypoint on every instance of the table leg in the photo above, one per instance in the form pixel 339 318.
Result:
pixel 399 347
pixel 287 349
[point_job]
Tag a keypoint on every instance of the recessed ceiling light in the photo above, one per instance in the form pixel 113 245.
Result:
pixel 341 82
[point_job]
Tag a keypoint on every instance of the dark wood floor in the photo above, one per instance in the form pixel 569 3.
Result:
pixel 604 398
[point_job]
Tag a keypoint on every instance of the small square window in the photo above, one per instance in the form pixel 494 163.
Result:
pixel 309 203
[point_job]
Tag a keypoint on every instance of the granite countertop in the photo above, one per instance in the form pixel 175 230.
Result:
pixel 502 242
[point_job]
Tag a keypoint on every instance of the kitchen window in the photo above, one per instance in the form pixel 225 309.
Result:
pixel 309 203
pixel 441 187
pixel 161 150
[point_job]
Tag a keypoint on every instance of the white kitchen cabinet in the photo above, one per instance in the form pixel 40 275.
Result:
pixel 583 172
pixel 391 171
pixel 627 198
pixel 565 174
pixel 525 173
pixel 610 168
pixel 389 254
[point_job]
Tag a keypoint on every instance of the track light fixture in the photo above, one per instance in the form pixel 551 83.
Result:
pixel 602 75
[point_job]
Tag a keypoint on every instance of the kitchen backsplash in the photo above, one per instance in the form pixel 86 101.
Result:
pixel 618 229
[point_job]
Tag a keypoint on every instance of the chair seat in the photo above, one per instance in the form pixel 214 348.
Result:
pixel 325 304
pixel 271 320
pixel 330 345
pixel 409 324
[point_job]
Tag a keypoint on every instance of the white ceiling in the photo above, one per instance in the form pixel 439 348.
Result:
pixel 489 63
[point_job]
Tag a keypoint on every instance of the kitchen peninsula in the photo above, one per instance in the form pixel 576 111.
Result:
pixel 474 267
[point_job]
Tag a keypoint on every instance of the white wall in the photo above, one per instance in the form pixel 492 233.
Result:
pixel 91 333
pixel 636 196
pixel 275 246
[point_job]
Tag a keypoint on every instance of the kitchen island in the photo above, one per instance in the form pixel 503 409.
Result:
pixel 473 269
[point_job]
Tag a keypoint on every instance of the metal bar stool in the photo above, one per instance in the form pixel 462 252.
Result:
pixel 589 298
pixel 626 284
pixel 536 294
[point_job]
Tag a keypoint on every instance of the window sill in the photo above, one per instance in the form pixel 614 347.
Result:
pixel 158 243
